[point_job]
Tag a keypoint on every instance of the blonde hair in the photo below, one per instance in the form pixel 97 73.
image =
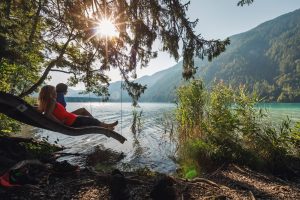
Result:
pixel 45 97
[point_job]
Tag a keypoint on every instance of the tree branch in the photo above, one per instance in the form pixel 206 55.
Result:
pixel 58 70
pixel 47 70
pixel 35 22
pixel 7 13
pixel 243 2
pixel 41 80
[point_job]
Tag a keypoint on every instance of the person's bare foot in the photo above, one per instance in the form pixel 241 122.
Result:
pixel 109 126
pixel 113 124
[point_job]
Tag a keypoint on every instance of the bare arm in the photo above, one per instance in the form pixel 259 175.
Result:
pixel 49 112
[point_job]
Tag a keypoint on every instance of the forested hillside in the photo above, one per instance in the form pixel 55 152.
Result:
pixel 265 59
pixel 160 86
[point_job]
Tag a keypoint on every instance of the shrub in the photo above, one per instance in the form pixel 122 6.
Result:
pixel 224 126
pixel 8 125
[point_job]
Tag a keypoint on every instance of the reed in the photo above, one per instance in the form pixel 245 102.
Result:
pixel 222 125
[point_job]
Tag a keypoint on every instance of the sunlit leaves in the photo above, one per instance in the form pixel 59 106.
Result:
pixel 50 25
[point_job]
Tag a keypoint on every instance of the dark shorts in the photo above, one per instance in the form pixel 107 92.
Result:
pixel 85 121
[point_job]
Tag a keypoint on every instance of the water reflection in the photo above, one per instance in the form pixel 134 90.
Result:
pixel 147 143
pixel 149 129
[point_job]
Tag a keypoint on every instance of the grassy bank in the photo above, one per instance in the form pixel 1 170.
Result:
pixel 221 126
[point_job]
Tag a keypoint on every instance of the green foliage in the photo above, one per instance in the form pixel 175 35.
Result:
pixel 265 59
pixel 20 51
pixel 103 167
pixel 41 36
pixel 8 125
pixel 190 116
pixel 41 149
pixel 295 137
pixel 223 126
pixel 144 171
pixel 192 173
pixel 137 123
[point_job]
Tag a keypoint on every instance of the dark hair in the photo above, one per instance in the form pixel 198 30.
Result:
pixel 61 87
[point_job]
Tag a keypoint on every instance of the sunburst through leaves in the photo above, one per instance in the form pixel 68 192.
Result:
pixel 106 28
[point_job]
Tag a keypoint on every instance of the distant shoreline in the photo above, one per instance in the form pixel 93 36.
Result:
pixel 94 99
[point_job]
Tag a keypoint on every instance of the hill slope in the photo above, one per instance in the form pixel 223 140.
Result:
pixel 265 59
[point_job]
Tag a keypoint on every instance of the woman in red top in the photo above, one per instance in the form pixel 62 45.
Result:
pixel 57 112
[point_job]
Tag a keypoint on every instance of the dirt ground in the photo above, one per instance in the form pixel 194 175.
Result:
pixel 228 182
pixel 231 182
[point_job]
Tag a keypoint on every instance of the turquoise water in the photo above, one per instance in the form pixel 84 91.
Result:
pixel 280 111
pixel 150 146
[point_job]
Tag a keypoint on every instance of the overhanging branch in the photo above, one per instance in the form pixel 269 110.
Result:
pixel 62 71
pixel 48 68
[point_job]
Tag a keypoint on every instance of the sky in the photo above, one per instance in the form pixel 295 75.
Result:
pixel 218 19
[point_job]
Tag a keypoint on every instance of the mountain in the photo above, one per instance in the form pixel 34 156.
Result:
pixel 265 59
pixel 160 86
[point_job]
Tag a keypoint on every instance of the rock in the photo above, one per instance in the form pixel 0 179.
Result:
pixel 118 186
pixel 164 190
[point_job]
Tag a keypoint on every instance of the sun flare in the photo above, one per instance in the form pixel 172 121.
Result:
pixel 106 28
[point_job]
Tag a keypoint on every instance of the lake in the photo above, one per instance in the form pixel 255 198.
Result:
pixel 150 146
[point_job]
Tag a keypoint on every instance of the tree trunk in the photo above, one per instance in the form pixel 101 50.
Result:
pixel 35 23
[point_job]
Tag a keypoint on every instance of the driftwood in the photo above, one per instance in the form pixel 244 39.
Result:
pixel 106 178
pixel 18 109
pixel 17 139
